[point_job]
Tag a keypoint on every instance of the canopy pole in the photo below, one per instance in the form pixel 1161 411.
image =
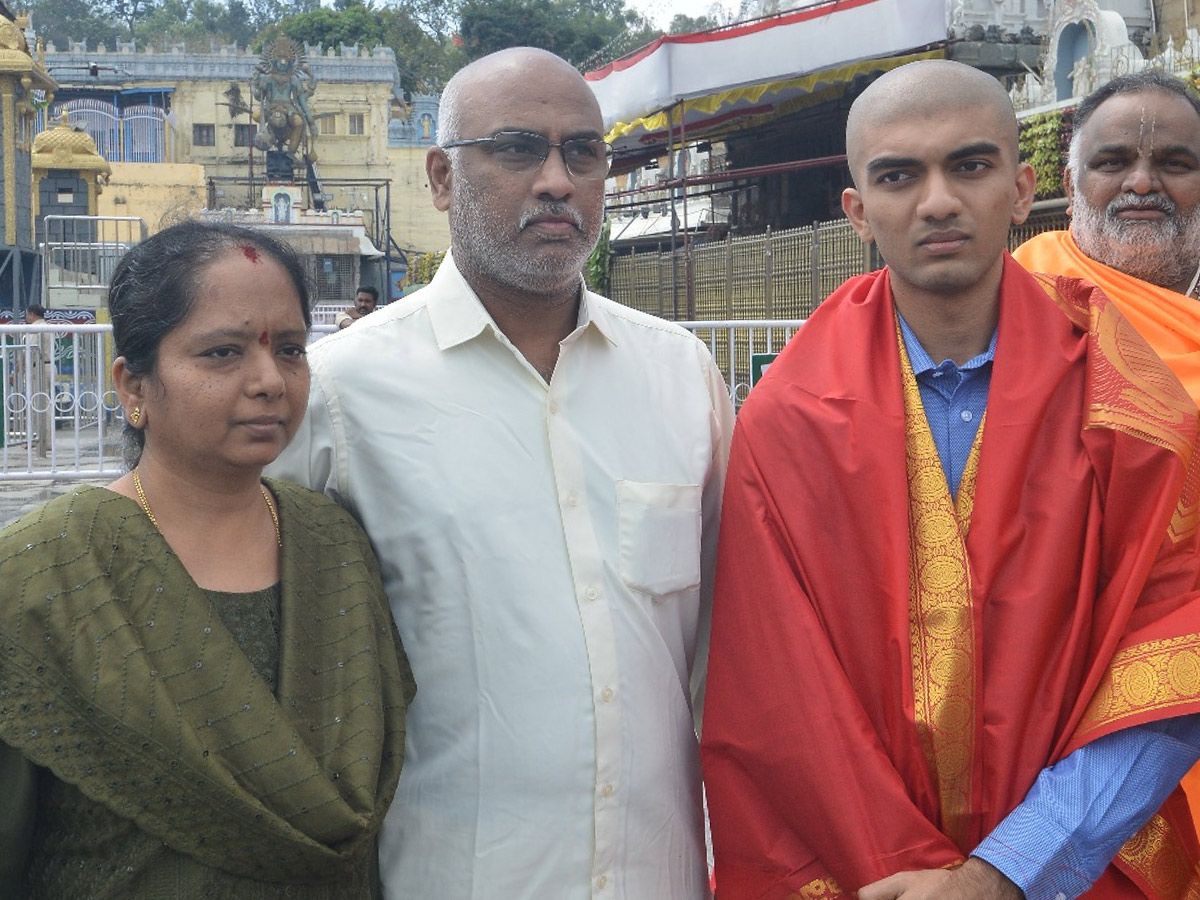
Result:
pixel 671 200
pixel 689 291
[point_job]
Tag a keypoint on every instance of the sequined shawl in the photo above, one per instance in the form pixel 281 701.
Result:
pixel 117 675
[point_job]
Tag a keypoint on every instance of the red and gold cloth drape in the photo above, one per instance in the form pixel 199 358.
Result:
pixel 1081 564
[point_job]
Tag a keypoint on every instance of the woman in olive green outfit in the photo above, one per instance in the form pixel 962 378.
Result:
pixel 201 690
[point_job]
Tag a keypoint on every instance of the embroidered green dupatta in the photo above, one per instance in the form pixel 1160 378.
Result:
pixel 117 675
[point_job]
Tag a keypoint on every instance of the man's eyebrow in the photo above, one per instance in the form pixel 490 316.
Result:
pixel 979 148
pixel 879 163
pixel 1113 148
pixel 1177 150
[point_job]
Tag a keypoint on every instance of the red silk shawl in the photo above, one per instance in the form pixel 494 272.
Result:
pixel 1083 564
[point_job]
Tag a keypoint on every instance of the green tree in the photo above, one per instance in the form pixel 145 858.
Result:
pixel 425 58
pixel 353 24
pixel 62 21
pixel 580 31
pixel 128 12
pixel 683 24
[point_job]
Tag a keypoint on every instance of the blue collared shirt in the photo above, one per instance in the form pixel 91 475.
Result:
pixel 954 398
pixel 1081 810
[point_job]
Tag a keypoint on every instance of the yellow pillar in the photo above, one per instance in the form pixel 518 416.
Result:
pixel 8 124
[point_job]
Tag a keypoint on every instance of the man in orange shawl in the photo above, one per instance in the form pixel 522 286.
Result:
pixel 1133 189
pixel 1133 186
pixel 948 662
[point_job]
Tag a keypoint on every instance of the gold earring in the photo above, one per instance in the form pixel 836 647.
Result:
pixel 135 416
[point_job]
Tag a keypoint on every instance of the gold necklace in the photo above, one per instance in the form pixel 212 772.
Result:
pixel 145 505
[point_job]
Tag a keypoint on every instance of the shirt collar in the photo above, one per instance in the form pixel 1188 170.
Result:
pixel 457 315
pixel 921 360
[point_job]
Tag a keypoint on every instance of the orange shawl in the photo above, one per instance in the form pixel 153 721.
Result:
pixel 1170 322
pixel 1080 619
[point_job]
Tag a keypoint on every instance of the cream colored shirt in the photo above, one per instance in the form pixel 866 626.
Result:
pixel 548 552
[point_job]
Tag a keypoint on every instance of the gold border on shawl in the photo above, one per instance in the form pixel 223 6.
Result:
pixel 1133 392
pixel 1146 677
pixel 818 889
pixel 1158 856
pixel 941 617
pixel 1075 310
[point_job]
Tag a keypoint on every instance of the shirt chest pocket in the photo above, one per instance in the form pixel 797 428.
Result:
pixel 659 535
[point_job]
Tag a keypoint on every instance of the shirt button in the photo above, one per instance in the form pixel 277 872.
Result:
pixel 602 882
pixel 606 694
pixel 606 790
pixel 572 500
pixel 591 593
pixel 966 415
pixel 553 407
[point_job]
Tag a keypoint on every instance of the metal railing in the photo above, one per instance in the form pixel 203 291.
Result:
pixel 63 422
pixel 735 343
pixel 59 415
pixel 765 276
pixel 79 254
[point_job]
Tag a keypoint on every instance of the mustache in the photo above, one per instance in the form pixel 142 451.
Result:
pixel 1126 201
pixel 558 210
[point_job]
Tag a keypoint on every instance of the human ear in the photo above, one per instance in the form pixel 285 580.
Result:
pixel 131 391
pixel 440 173
pixel 852 206
pixel 1026 185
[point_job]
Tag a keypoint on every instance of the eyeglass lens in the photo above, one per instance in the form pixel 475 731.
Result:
pixel 517 151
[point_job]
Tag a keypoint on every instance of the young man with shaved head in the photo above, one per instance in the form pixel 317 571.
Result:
pixel 1133 187
pixel 954 648
pixel 540 471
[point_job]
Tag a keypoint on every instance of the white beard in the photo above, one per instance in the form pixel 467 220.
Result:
pixel 1164 251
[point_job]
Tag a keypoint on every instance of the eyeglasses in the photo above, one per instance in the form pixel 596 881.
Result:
pixel 522 151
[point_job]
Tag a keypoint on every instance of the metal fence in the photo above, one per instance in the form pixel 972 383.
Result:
pixel 59 413
pixel 136 133
pixel 79 254
pixel 775 275
pixel 735 344
pixel 751 294
pixel 67 426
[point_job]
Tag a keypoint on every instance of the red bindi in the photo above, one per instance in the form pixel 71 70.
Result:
pixel 250 252
pixel 262 339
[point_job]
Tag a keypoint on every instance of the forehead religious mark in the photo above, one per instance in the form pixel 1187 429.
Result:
pixel 250 252
pixel 263 339
pixel 1146 127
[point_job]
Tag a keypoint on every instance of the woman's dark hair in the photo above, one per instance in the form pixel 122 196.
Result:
pixel 154 288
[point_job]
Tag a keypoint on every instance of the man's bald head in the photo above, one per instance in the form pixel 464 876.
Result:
pixel 487 76
pixel 924 89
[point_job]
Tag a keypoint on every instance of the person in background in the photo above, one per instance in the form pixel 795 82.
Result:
pixel 1133 190
pixel 540 471
pixel 201 690
pixel 956 622
pixel 365 299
